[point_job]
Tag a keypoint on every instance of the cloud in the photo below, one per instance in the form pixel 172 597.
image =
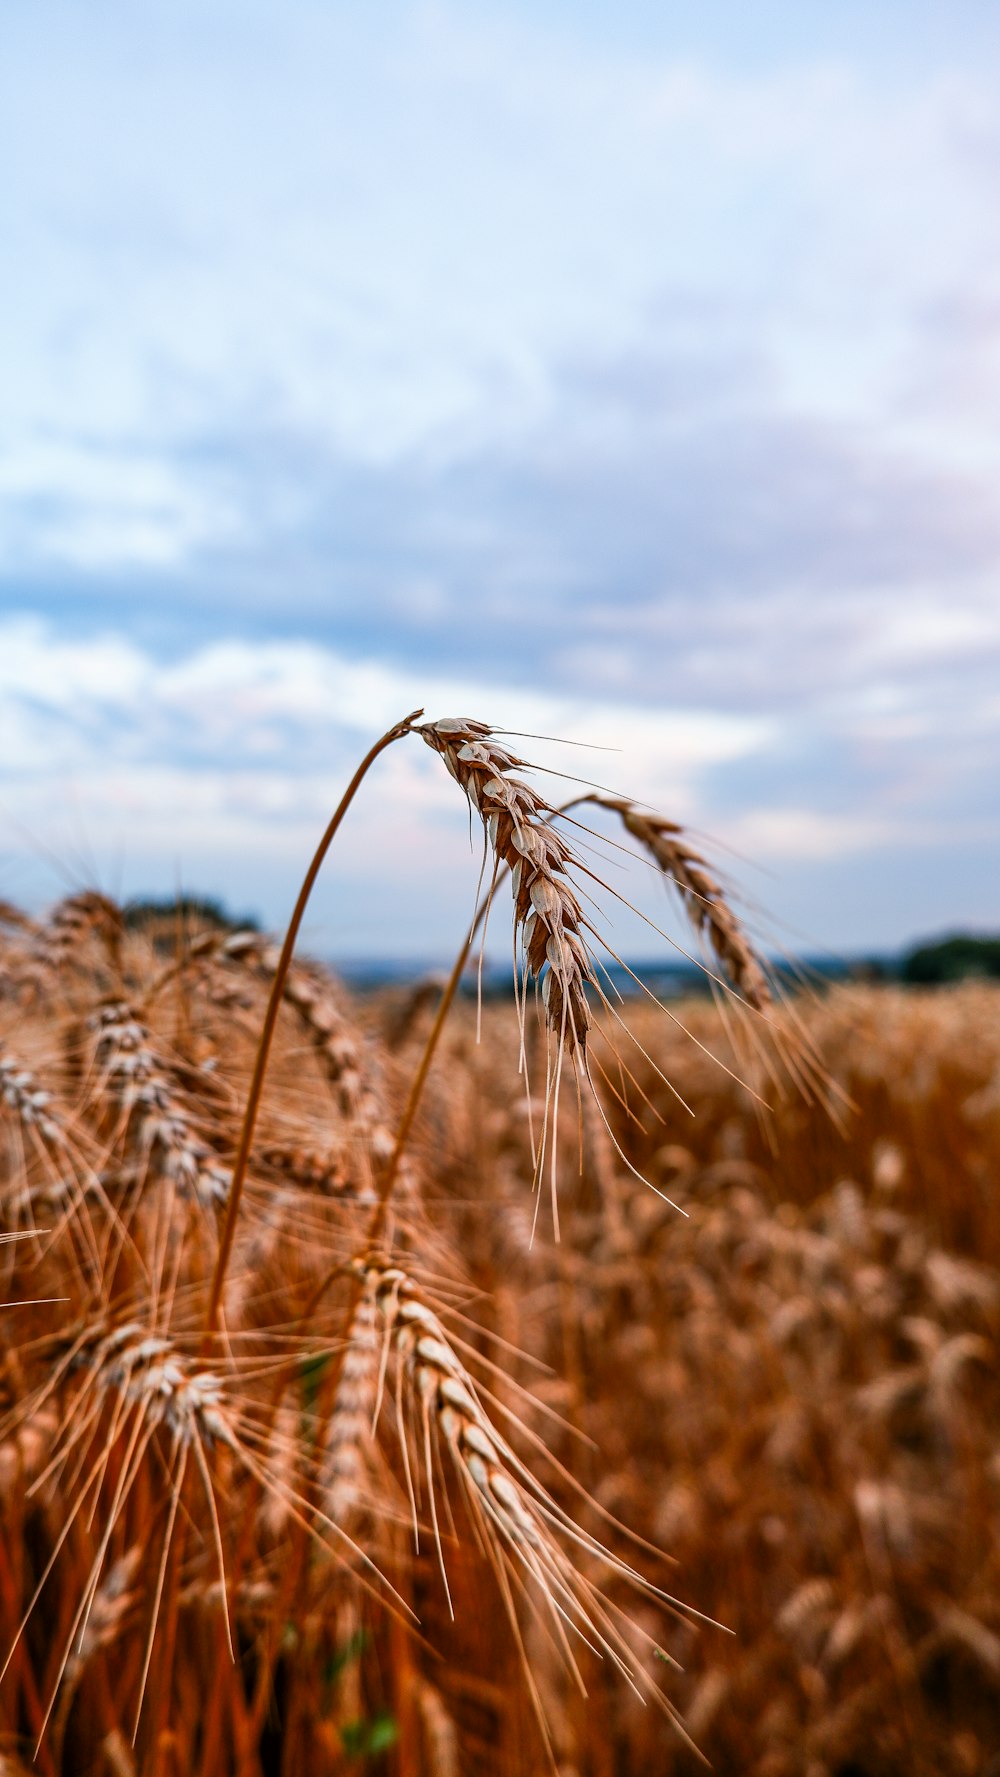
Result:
pixel 219 768
pixel 782 621
pixel 480 336
pixel 804 834
pixel 92 508
pixel 235 753
pixel 605 385
pixel 383 232
pixel 696 546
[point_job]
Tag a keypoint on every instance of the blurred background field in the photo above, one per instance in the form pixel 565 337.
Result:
pixel 793 1390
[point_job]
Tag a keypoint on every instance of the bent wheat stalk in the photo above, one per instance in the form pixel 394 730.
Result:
pixel 394 733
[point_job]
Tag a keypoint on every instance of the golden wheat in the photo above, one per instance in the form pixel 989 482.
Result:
pixel 217 1544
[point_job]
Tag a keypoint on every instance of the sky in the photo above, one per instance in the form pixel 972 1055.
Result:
pixel 629 375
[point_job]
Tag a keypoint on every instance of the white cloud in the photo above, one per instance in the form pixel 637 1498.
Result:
pixel 386 238
pixel 212 692
pixel 91 506
pixel 39 666
pixel 925 627
pixel 797 834
pixel 240 748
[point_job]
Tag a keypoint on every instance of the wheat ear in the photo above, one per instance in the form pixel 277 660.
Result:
pixel 703 897
pixel 517 1522
pixel 547 913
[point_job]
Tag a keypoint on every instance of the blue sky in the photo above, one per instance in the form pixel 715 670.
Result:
pixel 630 374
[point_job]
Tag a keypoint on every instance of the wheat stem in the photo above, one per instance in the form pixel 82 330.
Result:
pixel 271 1019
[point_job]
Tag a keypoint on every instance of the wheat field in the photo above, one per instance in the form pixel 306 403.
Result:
pixel 623 1398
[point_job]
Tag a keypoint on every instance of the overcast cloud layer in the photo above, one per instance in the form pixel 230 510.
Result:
pixel 637 383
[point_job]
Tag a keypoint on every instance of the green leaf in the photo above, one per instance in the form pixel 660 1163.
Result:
pixel 369 1738
pixel 312 1370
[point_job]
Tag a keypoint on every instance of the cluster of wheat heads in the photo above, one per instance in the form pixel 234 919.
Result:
pixel 246 1399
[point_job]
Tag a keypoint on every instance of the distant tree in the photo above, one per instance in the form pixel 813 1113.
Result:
pixel 952 959
pixel 198 910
